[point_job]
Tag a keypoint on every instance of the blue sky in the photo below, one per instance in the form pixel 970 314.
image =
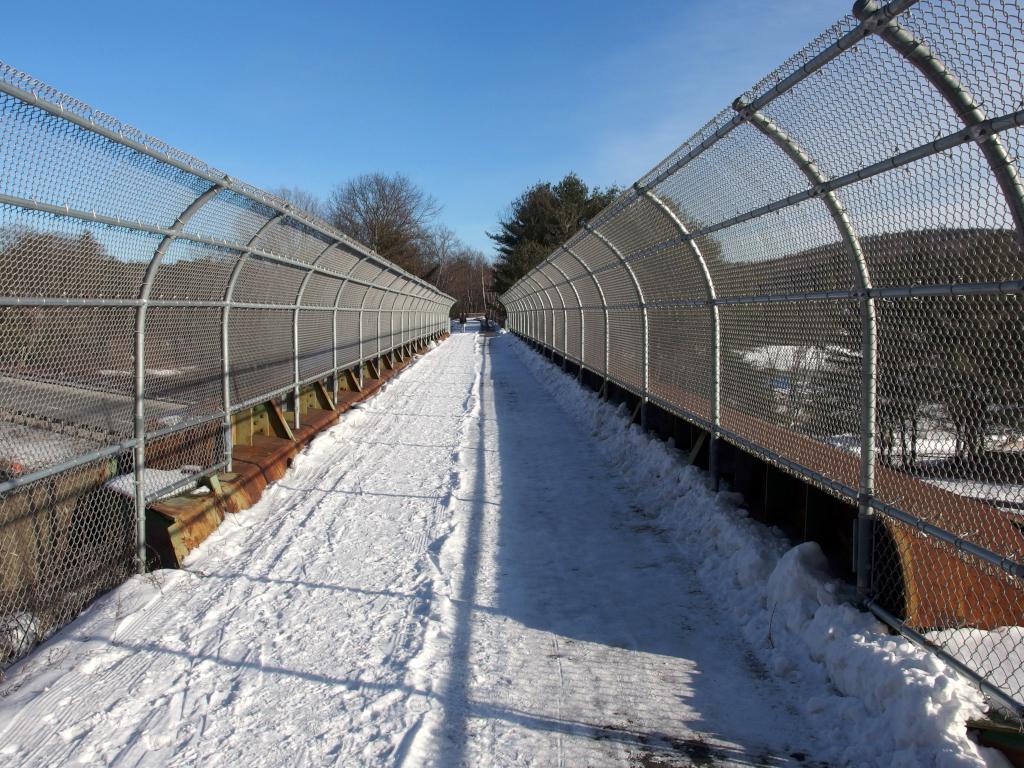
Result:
pixel 473 101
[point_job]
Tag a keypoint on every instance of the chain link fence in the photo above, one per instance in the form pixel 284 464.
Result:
pixel 147 297
pixel 829 275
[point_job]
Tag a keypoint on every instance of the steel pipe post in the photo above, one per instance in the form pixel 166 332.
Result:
pixel 604 306
pixel 645 329
pixel 225 345
pixel 715 415
pixel 579 304
pixel 148 282
pixel 869 333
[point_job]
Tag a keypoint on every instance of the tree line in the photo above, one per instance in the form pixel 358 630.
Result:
pixel 394 217
pixel 400 221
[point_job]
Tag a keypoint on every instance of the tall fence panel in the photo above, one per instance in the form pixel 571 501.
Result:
pixel 829 275
pixel 147 297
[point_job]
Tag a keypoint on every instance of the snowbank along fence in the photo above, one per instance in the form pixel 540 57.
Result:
pixel 828 275
pixel 147 298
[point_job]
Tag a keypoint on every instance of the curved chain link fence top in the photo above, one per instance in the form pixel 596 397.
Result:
pixel 829 275
pixel 147 297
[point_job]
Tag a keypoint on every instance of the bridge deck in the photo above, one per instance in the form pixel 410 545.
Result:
pixel 452 575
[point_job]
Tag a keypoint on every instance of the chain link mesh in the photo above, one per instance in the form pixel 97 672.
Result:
pixel 113 242
pixel 858 213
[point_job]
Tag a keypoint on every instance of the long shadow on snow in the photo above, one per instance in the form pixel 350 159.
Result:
pixel 455 693
pixel 574 560
pixel 587 565
pixel 524 719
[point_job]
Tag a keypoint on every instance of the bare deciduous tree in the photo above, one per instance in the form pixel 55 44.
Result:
pixel 390 214
pixel 302 199
pixel 396 218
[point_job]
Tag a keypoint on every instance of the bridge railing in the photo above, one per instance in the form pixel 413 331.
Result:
pixel 828 275
pixel 147 298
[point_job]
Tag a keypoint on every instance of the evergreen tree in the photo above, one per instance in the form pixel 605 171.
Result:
pixel 541 219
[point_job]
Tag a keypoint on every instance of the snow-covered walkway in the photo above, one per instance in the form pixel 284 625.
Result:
pixel 576 635
pixel 454 575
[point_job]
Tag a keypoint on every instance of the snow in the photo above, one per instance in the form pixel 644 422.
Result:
pixel 26 449
pixel 995 493
pixel 573 633
pixel 154 481
pixel 877 699
pixel 469 570
pixel 789 357
pixel 1001 648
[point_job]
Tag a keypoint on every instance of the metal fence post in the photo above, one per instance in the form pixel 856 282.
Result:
pixel 299 299
pixel 334 353
pixel 140 367
pixel 715 411
pixel 547 316
pixel 380 311
pixel 869 333
pixel 565 313
pixel 645 329
pixel 534 318
pixel 579 304
pixel 295 366
pixel 540 318
pixel 362 358
pixel 542 299
pixel 392 310
pixel 604 305
pixel 225 341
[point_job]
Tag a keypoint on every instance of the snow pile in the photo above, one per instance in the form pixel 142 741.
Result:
pixel 1002 644
pixel 883 701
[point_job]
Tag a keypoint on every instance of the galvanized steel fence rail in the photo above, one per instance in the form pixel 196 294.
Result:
pixel 146 298
pixel 829 275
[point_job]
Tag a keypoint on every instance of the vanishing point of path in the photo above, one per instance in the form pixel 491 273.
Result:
pixel 451 576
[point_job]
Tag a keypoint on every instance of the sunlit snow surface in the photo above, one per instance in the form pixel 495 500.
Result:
pixel 483 566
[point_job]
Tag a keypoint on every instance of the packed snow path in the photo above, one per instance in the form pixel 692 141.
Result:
pixel 451 576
